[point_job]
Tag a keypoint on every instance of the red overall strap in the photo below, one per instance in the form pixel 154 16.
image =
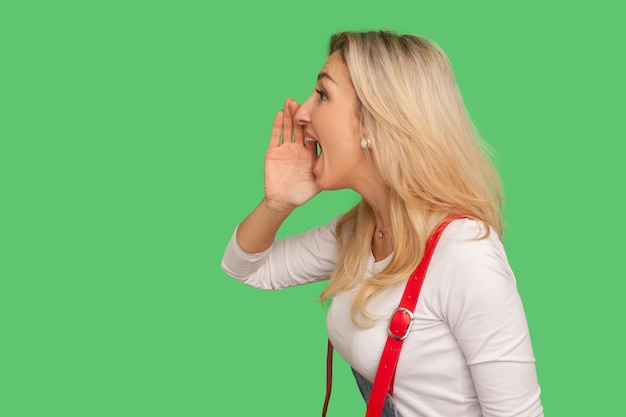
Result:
pixel 399 326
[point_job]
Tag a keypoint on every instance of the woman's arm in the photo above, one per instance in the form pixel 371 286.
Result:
pixel 295 260
pixel 257 231
pixel 253 255
pixel 288 181
pixel 486 316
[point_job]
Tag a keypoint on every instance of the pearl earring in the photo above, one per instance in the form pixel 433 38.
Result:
pixel 365 143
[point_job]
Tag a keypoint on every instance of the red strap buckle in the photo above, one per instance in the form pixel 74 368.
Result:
pixel 400 323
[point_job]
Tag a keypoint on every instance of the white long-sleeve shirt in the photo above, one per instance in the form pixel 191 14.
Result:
pixel 468 352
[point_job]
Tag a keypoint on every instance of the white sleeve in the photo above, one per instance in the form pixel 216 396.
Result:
pixel 300 259
pixel 485 314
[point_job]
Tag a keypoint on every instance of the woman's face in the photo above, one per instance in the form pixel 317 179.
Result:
pixel 328 116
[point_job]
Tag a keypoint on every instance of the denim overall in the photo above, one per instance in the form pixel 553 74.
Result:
pixel 389 409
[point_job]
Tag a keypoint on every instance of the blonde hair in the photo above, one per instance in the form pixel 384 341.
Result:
pixel 426 148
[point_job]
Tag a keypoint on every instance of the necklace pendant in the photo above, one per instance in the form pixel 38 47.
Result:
pixel 380 233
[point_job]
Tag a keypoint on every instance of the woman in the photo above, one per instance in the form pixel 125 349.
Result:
pixel 386 120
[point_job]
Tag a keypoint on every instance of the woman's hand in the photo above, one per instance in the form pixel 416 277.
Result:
pixel 289 179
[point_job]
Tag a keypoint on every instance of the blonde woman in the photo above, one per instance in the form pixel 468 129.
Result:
pixel 386 120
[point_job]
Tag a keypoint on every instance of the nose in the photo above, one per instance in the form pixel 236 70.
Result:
pixel 303 115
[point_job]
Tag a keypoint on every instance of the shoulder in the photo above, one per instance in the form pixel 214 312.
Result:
pixel 470 268
pixel 467 245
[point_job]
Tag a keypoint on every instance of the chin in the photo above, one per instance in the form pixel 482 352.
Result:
pixel 328 182
pixel 319 180
pixel 328 185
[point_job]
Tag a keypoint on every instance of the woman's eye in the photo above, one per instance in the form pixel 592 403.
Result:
pixel 322 94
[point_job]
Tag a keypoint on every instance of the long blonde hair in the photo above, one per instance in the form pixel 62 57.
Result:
pixel 426 148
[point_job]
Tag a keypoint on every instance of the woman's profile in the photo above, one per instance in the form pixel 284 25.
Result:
pixel 386 120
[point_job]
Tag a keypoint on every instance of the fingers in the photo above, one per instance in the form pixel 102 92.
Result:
pixel 285 128
pixel 277 129
pixel 298 129
pixel 288 122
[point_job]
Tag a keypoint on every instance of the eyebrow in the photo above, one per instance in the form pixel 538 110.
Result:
pixel 325 75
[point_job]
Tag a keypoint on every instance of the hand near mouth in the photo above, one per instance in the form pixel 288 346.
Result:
pixel 289 179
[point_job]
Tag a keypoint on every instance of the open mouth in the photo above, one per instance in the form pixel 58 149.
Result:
pixel 318 147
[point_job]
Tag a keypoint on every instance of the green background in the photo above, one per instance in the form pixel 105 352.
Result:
pixel 132 137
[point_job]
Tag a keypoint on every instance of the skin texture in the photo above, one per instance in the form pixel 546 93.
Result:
pixel 294 173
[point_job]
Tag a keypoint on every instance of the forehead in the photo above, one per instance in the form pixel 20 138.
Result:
pixel 337 69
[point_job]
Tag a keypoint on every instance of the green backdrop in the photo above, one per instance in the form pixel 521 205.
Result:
pixel 132 136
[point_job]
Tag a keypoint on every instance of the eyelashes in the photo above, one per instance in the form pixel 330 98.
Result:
pixel 322 94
